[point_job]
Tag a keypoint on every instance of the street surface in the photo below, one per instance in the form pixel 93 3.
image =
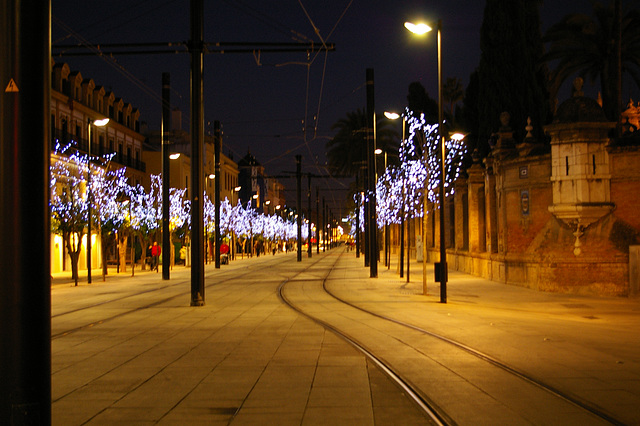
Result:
pixel 132 350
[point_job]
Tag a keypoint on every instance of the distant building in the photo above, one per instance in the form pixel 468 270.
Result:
pixel 180 171
pixel 252 182
pixel 275 198
pixel 75 102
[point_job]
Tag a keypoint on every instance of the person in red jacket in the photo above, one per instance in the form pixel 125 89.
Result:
pixel 155 255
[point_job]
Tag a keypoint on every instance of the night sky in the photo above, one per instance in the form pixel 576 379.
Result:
pixel 265 102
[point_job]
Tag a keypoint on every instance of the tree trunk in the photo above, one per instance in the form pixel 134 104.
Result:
pixel 144 243
pixel 104 240
pixel 122 251
pixel 74 255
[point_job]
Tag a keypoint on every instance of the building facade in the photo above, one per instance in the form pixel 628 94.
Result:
pixel 560 221
pixel 76 102
pixel 180 167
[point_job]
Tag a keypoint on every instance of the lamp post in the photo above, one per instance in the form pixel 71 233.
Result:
pixel 97 123
pixel 394 116
pixel 379 151
pixel 126 200
pixel 441 267
pixel 235 192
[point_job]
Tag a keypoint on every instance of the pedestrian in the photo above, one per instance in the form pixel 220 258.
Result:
pixel 183 255
pixel 224 253
pixel 155 254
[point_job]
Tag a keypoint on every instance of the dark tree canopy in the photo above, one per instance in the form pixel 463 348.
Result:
pixel 509 75
pixel 580 45
pixel 418 101
pixel 346 151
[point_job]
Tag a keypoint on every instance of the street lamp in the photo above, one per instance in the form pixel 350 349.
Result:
pixel 235 192
pixel 394 116
pixel 97 123
pixel 441 267
pixel 379 151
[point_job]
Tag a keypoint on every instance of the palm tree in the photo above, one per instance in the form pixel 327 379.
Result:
pixel 346 151
pixel 586 46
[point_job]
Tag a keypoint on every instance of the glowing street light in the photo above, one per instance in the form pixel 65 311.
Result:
pixel 441 268
pixel 97 123
pixel 419 29
pixel 391 115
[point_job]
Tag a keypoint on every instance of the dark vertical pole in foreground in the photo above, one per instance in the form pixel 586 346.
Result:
pixel 166 174
pixel 401 261
pixel 197 138
pixel 442 266
pixel 358 207
pixel 90 202
pixel 318 222
pixel 371 170
pixel 217 135
pixel 365 210
pixel 299 203
pixel 25 302
pixel 309 246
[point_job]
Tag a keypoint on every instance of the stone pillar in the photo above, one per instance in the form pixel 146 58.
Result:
pixel 476 197
pixel 461 209
pixel 491 211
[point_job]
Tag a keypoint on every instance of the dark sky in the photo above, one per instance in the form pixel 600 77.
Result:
pixel 264 102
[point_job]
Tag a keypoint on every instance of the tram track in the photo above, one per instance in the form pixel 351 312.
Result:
pixel 435 415
pixel 488 358
pixel 436 412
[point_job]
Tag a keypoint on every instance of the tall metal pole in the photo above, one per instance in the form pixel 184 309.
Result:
pixel 217 135
pixel 408 246
pixel 401 262
pixel 197 138
pixel 133 238
pixel 358 207
pixel 89 203
pixel 318 224
pixel 324 226
pixel 443 250
pixel 371 158
pixel 309 247
pixel 166 174
pixel 299 203
pixel 25 287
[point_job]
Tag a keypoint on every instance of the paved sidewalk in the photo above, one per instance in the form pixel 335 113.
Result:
pixel 247 359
